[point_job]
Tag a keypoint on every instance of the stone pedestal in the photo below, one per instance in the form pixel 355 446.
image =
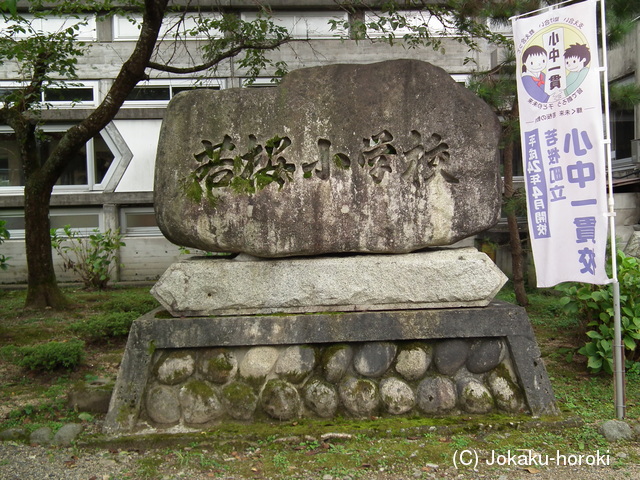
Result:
pixel 459 277
pixel 189 373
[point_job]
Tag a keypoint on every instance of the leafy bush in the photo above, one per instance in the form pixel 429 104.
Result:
pixel 104 326
pixel 4 235
pixel 47 356
pixel 593 305
pixel 92 257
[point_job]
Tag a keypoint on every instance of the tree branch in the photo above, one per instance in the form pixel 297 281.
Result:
pixel 230 53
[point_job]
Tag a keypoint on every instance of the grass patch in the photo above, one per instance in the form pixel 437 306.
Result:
pixel 361 449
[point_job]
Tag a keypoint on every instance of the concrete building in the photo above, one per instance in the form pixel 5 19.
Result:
pixel 110 183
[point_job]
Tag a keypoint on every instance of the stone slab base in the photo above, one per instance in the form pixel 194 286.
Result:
pixel 461 277
pixel 188 374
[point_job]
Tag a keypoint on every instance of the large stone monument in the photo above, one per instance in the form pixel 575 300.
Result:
pixel 340 192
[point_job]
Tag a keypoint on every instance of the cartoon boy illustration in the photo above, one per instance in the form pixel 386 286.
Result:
pixel 534 61
pixel 576 59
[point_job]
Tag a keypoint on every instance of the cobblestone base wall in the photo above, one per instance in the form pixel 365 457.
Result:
pixel 194 387
pixel 190 373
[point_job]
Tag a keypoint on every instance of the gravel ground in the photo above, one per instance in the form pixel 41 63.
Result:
pixel 23 462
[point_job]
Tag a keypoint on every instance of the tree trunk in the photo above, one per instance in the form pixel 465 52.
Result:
pixel 43 290
pixel 41 174
pixel 517 267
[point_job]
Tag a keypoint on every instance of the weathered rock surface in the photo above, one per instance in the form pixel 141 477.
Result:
pixel 321 397
pixel 474 396
pixel 163 405
pixel 336 361
pixel 450 355
pixel 616 430
pixel 332 160
pixel 280 400
pixel 199 402
pixel 436 395
pixel 67 434
pixel 359 396
pixel 373 359
pixel 397 396
pixel 413 362
pixel 295 363
pixel 434 279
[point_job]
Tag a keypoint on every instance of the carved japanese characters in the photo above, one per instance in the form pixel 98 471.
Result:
pixel 389 157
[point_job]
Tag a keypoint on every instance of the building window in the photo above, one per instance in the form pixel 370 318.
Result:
pixel 260 82
pixel 85 27
pixel 138 221
pixel 174 26
pixel 82 220
pixel 159 92
pixel 89 168
pixel 82 94
pixel 305 24
pixel 414 19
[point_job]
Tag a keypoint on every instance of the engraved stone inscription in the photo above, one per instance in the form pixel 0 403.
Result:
pixel 221 166
pixel 332 160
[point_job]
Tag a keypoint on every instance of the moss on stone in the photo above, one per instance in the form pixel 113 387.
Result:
pixel 198 388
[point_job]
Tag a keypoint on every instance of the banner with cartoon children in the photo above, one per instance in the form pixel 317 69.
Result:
pixel 562 143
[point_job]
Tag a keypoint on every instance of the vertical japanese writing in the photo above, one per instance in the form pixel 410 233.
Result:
pixel 536 186
pixel 583 174
pixel 554 45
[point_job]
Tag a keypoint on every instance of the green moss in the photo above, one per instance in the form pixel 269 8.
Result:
pixel 330 351
pixel 199 389
pixel 220 362
pixel 238 393
pixel 179 374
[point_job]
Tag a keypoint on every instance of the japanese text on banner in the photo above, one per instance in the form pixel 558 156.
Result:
pixel 562 143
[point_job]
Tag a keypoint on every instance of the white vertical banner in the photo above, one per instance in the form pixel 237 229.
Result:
pixel 563 143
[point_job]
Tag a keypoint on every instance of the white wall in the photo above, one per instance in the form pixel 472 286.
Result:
pixel 141 137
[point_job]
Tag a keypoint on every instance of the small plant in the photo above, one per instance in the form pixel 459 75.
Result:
pixel 48 356
pixel 92 258
pixel 593 305
pixel 4 235
pixel 105 326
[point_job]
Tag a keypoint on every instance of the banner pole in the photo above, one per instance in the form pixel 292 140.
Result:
pixel 618 347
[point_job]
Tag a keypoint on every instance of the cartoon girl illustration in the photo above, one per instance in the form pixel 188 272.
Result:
pixel 534 61
pixel 576 59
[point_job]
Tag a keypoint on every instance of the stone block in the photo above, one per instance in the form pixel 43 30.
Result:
pixel 330 161
pixel 435 279
pixel 332 385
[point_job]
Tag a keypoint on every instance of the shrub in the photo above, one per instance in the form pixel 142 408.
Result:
pixel 593 305
pixel 48 356
pixel 104 326
pixel 4 235
pixel 92 258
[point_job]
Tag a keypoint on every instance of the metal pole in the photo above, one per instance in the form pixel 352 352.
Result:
pixel 618 347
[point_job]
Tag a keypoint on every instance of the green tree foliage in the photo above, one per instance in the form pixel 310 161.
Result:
pixel 42 60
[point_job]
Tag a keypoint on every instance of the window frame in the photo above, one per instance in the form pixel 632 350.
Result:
pixel 413 17
pixel 19 233
pixel 106 184
pixel 127 29
pixel 85 33
pixel 128 231
pixel 297 25
pixel 171 83
pixel 44 103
